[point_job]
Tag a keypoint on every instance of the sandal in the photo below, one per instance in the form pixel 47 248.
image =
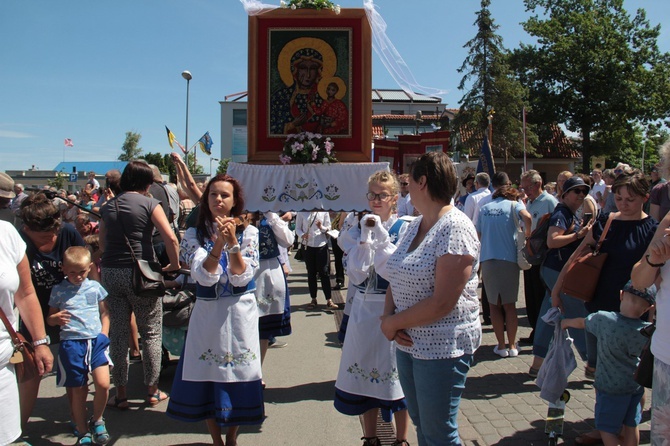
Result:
pixel 371 441
pixel 73 428
pixel 98 431
pixel 118 403
pixel 156 398
pixel 532 372
pixel 312 305
pixel 332 305
pixel 401 443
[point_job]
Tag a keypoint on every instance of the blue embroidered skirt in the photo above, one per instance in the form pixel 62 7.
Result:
pixel 230 404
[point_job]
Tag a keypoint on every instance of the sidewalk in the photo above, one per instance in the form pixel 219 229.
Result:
pixel 501 405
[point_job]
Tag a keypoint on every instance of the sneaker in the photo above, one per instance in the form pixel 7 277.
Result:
pixel 513 352
pixel 98 431
pixel 279 344
pixel 85 439
pixel 503 353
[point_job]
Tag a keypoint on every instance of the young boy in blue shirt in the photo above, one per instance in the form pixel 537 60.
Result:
pixel 618 347
pixel 78 306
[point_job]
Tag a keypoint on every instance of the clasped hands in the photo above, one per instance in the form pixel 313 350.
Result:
pixel 226 228
pixel 392 333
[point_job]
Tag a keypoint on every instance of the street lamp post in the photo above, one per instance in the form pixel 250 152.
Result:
pixel 210 166
pixel 187 75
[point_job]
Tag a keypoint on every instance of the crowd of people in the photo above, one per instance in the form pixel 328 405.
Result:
pixel 412 266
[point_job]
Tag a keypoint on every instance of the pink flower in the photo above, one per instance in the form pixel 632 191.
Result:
pixel 285 159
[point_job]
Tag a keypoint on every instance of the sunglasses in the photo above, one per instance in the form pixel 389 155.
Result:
pixel 46 224
pixel 579 190
pixel 382 197
pixel 404 184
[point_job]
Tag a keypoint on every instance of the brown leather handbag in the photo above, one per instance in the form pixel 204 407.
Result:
pixel 582 276
pixel 24 353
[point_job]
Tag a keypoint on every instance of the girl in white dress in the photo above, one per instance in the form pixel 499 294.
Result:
pixel 218 378
pixel 368 378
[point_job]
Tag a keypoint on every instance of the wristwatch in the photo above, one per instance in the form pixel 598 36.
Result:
pixel 233 249
pixel 43 341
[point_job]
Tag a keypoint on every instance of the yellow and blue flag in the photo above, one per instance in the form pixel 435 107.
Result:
pixel 206 143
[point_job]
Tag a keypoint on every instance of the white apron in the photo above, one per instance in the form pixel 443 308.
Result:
pixel 270 287
pixel 222 342
pixel 368 364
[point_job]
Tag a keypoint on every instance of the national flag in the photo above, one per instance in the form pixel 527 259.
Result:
pixel 206 143
pixel 485 163
pixel 68 142
pixel 170 136
pixel 172 140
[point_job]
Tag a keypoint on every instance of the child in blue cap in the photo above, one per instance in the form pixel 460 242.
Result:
pixel 618 345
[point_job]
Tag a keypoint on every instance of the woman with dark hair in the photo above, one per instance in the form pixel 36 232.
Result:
pixel 218 379
pixel 565 234
pixel 128 222
pixel 46 238
pixel 626 241
pixel 432 307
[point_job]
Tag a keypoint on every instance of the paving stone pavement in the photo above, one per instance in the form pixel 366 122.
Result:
pixel 500 406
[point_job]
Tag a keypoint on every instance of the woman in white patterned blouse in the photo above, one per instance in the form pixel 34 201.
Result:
pixel 432 308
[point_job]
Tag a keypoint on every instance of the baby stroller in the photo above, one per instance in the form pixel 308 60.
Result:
pixel 177 308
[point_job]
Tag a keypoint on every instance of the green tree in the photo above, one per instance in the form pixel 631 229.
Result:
pixel 194 168
pixel 163 162
pixel 595 70
pixel 223 166
pixel 59 180
pixel 130 149
pixel 493 86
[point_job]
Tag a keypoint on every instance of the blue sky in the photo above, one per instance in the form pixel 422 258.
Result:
pixel 93 70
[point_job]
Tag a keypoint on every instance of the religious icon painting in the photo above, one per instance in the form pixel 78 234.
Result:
pixel 309 71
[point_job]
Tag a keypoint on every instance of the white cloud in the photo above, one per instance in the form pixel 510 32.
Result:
pixel 15 135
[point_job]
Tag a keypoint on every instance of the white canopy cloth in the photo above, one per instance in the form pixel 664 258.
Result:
pixel 305 187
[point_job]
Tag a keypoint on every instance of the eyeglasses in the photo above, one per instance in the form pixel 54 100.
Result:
pixel 579 190
pixel 618 170
pixel 381 197
pixel 404 184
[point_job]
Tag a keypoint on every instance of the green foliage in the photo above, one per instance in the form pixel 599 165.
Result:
pixel 596 70
pixel 59 180
pixel 163 162
pixel 130 147
pixel 493 86
pixel 190 163
pixel 311 4
pixel 223 166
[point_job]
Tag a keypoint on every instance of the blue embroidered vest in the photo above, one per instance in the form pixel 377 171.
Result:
pixel 267 243
pixel 219 290
pixel 377 284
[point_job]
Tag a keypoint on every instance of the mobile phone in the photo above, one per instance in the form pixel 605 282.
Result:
pixel 587 217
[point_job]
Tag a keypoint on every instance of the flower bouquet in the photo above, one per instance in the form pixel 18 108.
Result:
pixel 311 4
pixel 307 147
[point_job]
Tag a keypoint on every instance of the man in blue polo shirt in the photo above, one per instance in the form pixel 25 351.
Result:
pixel 538 204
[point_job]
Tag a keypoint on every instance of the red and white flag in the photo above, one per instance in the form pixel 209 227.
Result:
pixel 68 142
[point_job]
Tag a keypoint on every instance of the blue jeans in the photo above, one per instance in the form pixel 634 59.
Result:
pixel 433 390
pixel 572 308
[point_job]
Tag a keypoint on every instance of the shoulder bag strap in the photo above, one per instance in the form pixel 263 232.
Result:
pixel 515 217
pixel 12 333
pixel 599 245
pixel 118 219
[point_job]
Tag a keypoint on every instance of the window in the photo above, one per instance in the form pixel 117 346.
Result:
pixel 239 117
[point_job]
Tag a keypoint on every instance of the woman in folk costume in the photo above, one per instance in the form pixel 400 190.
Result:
pixel 218 378
pixel 272 297
pixel 368 378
